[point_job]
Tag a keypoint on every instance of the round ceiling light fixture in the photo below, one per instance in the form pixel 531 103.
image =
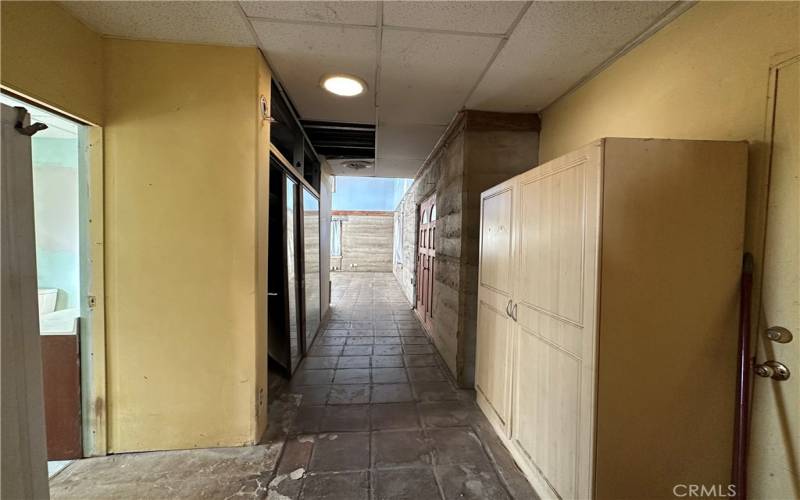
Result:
pixel 343 85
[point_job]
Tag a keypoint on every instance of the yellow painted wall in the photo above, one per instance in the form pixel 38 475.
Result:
pixel 704 76
pixel 182 180
pixel 50 56
pixel 186 164
pixel 263 82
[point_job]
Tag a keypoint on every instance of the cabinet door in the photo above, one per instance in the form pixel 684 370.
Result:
pixel 554 334
pixel 492 370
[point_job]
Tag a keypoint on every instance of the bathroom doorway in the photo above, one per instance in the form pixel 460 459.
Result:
pixel 67 199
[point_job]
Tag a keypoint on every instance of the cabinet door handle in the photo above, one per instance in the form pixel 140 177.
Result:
pixel 508 308
pixel 514 312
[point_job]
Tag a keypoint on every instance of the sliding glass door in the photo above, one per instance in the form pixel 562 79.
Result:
pixel 293 278
pixel 311 266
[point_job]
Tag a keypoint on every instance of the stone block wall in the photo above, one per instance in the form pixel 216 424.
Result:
pixel 367 241
pixel 478 151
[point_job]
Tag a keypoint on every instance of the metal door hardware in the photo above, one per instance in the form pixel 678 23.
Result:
pixel 514 312
pixel 779 334
pixel 508 308
pixel 774 370
pixel 272 294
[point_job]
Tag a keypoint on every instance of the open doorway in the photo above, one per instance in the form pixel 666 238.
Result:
pixel 67 283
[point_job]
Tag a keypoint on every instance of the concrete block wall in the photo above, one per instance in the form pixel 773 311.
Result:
pixel 478 151
pixel 367 241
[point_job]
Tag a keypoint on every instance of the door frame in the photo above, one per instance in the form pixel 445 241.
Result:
pixel 760 347
pixel 92 330
pixel 92 326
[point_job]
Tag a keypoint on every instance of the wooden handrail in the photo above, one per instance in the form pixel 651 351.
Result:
pixel 744 376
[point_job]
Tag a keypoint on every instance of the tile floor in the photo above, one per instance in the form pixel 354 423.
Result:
pixel 378 416
pixel 371 414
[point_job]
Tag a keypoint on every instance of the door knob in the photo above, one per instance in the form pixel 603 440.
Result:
pixel 779 334
pixel 774 370
pixel 508 308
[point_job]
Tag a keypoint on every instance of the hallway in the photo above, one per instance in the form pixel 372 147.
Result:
pixel 379 416
pixel 370 414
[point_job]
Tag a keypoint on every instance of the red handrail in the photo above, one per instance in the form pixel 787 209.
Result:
pixel 743 378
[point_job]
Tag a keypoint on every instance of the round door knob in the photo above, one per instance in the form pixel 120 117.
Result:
pixel 773 369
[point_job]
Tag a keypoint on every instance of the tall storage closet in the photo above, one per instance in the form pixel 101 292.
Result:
pixel 607 316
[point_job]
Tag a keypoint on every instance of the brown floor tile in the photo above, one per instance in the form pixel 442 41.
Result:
pixel 387 340
pixel 388 350
pixel 349 394
pixel 406 484
pixel 389 375
pixel 352 376
pixel 391 393
pixel 469 482
pixel 357 350
pixel 448 413
pixel 337 486
pixel 394 416
pixel 418 349
pixel 325 350
pixel 308 419
pixel 319 363
pixel 457 446
pixel 341 452
pixel 400 448
pixel 426 374
pixel 296 454
pixel 345 418
pixel 312 394
pixel 420 360
pixel 360 341
pixel 434 391
pixel 387 361
pixel 354 362
pixel 329 341
pixel 312 377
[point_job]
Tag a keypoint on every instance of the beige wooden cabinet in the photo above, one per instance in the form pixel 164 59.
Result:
pixel 607 317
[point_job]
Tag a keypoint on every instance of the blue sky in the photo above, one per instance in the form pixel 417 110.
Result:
pixel 368 193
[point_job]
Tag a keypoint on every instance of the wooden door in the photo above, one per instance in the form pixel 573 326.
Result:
pixel 426 260
pixel 493 353
pixel 555 283
pixel 775 430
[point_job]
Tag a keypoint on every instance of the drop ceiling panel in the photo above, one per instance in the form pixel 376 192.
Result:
pixel 192 22
pixel 425 77
pixel 477 17
pixel 407 140
pixel 364 13
pixel 397 167
pixel 554 46
pixel 302 54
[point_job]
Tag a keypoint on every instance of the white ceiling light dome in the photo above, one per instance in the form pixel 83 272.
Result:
pixel 343 85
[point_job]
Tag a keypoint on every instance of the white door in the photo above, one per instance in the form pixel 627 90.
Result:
pixel 492 370
pixel 775 431
pixel 24 454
